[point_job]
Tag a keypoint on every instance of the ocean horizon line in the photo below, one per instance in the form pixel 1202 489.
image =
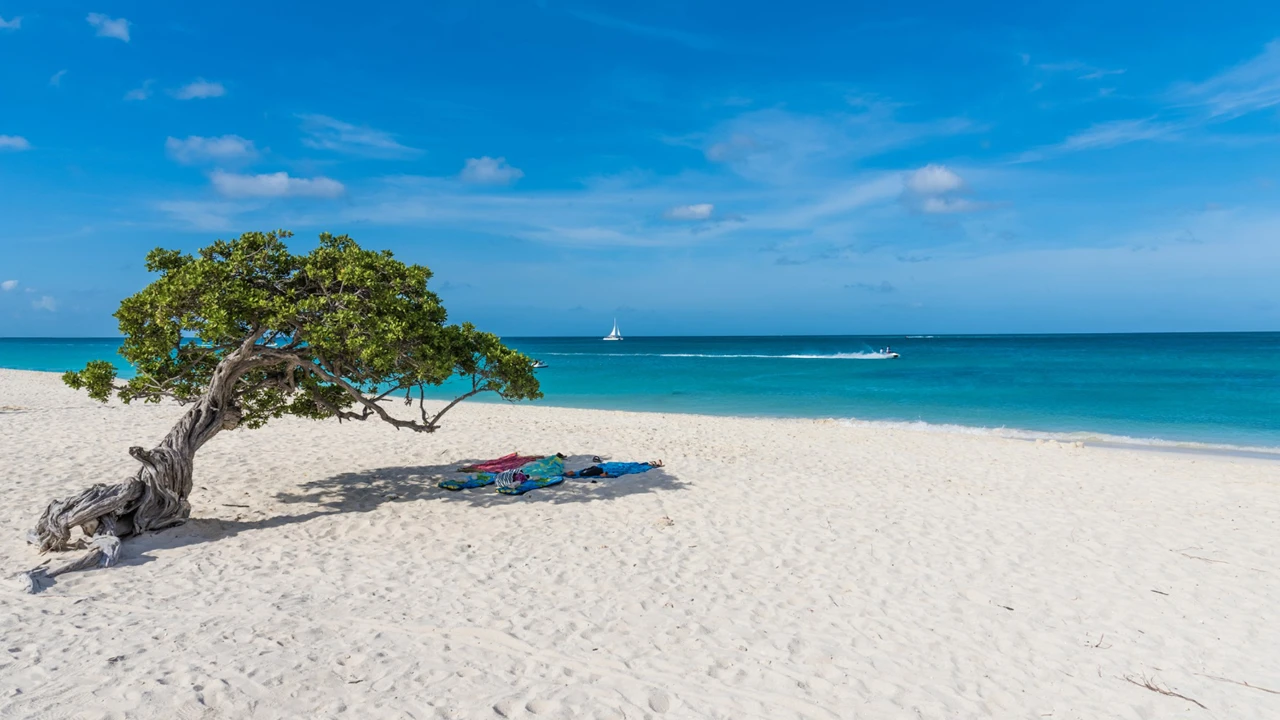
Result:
pixel 905 335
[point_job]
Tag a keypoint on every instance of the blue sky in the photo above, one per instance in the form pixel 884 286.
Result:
pixel 692 168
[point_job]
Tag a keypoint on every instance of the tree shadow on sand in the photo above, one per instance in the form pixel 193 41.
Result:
pixel 368 490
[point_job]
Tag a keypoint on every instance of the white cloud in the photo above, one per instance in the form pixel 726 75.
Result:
pixel 200 89
pixel 140 93
pixel 197 149
pixel 45 303
pixel 8 285
pixel 118 28
pixel 273 185
pixel 56 80
pixel 326 133
pixel 14 142
pixel 934 180
pixel 490 171
pixel 701 211
pixel 1250 86
pixel 932 189
pixel 13 24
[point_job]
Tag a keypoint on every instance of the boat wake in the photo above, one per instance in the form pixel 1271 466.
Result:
pixel 833 356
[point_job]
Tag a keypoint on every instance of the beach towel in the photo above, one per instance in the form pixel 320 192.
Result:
pixel 520 484
pixel 497 465
pixel 535 475
pixel 542 472
pixel 611 470
pixel 474 481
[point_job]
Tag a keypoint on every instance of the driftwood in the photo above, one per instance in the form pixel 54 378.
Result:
pixel 1150 684
pixel 154 498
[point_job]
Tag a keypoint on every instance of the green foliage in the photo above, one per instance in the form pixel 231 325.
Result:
pixel 309 335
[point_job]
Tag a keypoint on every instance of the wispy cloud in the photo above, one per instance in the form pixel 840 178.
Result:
pixel 775 145
pixel 1099 73
pixel 195 149
pixel 326 133
pixel 883 287
pixel 45 303
pixel 199 89
pixel 107 27
pixel 1107 135
pixel 1248 87
pixel 8 285
pixel 690 213
pixel 273 185
pixel 140 93
pixel 13 24
pixel 56 80
pixel 691 40
pixel 1082 71
pixel 1251 86
pixel 13 143
pixel 490 171
pixel 204 215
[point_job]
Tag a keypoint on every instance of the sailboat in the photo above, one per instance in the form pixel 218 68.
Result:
pixel 615 335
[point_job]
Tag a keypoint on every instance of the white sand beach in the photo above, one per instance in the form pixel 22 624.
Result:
pixel 773 569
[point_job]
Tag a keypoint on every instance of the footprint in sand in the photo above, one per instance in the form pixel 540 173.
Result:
pixel 659 702
pixel 538 706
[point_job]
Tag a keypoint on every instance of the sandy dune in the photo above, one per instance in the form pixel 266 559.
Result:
pixel 774 569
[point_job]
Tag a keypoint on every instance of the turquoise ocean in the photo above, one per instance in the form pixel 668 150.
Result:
pixel 1216 389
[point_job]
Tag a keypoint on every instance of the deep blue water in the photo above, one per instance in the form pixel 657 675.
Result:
pixel 1210 388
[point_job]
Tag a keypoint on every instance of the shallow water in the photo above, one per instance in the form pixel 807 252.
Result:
pixel 1204 388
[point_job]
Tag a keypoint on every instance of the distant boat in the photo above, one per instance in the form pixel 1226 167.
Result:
pixel 885 351
pixel 615 335
pixel 538 365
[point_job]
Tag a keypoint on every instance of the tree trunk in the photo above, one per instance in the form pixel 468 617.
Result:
pixel 154 498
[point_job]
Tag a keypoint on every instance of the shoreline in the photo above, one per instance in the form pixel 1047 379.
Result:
pixel 1089 438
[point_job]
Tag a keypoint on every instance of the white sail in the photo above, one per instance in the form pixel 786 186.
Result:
pixel 615 335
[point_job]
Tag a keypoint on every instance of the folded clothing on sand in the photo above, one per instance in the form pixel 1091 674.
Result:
pixel 497 465
pixel 612 469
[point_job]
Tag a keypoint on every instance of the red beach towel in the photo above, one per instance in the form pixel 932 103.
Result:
pixel 497 465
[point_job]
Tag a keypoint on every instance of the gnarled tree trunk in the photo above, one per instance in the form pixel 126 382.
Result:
pixel 154 498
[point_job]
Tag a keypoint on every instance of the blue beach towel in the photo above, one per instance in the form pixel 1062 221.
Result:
pixel 612 469
pixel 538 474
pixel 475 481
